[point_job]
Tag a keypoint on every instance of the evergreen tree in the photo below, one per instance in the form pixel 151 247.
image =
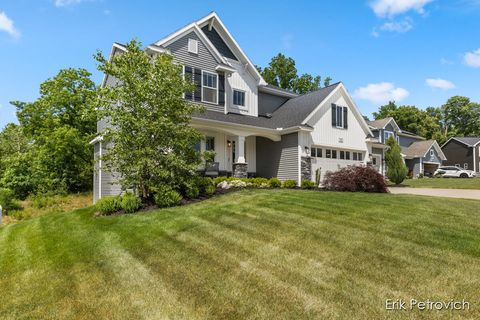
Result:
pixel 396 168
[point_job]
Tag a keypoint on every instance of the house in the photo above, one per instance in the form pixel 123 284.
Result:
pixel 420 155
pixel 463 152
pixel 255 129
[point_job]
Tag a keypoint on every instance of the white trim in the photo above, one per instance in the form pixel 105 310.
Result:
pixel 236 46
pixel 225 69
pixel 299 167
pixel 354 108
pixel 474 160
pixel 277 92
pixel 100 172
pixel 115 46
pixel 216 75
pixel 156 49
pixel 244 99
pixel 468 145
pixel 192 46
pixel 439 150
pixel 96 139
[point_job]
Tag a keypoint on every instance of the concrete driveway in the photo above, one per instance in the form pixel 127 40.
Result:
pixel 437 192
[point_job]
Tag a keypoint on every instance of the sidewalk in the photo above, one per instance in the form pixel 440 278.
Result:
pixel 436 192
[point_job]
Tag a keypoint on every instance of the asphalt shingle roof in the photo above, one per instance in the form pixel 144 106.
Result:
pixel 418 148
pixel 380 123
pixel 292 113
pixel 469 141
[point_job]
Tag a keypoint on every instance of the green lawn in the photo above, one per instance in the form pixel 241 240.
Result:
pixel 256 254
pixel 447 183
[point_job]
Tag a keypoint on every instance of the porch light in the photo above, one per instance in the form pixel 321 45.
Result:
pixel 307 150
pixel 229 143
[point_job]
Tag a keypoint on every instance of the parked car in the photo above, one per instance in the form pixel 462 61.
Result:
pixel 454 172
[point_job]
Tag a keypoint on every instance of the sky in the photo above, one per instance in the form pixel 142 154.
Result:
pixel 416 52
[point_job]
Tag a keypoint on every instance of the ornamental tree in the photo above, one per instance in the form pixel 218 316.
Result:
pixel 396 168
pixel 150 142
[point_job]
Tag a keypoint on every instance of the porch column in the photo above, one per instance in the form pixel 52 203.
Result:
pixel 240 165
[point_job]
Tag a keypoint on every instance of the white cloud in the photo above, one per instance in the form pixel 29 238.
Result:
pixel 287 41
pixel 66 3
pixel 390 8
pixel 6 24
pixel 381 92
pixel 439 84
pixel 472 59
pixel 400 26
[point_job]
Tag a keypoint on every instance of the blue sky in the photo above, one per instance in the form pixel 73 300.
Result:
pixel 417 52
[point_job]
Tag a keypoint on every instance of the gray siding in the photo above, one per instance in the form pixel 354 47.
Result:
pixel 458 153
pixel 413 166
pixel 96 154
pixel 278 158
pixel 203 60
pixel 268 103
pixel 218 42
pixel 109 185
pixel 435 158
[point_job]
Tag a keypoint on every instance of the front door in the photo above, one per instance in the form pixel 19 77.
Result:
pixel 377 162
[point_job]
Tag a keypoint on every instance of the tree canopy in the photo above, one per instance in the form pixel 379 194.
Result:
pixel 281 72
pixel 151 141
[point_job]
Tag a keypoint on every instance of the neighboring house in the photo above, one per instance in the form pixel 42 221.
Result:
pixel 254 128
pixel 420 155
pixel 463 152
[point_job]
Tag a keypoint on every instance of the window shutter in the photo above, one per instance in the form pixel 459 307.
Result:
pixel 221 89
pixel 188 77
pixel 334 115
pixel 345 117
pixel 197 79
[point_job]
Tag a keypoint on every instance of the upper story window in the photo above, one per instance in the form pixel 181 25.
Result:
pixel 239 98
pixel 193 46
pixel 387 135
pixel 432 153
pixel 339 116
pixel 209 87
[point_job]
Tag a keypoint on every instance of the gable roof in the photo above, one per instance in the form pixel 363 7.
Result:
pixel 468 141
pixel 382 123
pixel 419 149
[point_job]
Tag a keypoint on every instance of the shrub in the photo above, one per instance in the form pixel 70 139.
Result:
pixel 167 197
pixel 289 184
pixel 396 168
pixel 131 203
pixel 219 179
pixel 203 183
pixel 108 205
pixel 210 190
pixel 355 179
pixel 274 183
pixel 8 201
pixel 258 182
pixel 307 184
pixel 44 200
pixel 192 191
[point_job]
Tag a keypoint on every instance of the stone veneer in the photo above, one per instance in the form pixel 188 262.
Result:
pixel 240 170
pixel 306 168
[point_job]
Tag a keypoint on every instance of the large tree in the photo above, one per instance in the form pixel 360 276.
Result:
pixel 460 116
pixel 59 125
pixel 151 141
pixel 281 72
pixel 410 118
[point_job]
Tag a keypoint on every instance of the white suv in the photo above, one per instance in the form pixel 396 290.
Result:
pixel 454 172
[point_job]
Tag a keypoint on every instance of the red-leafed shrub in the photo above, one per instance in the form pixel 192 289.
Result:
pixel 355 179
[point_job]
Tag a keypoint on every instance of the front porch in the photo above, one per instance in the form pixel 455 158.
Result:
pixel 235 149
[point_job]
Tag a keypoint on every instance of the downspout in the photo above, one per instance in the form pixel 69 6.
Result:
pixel 474 159
pixel 100 173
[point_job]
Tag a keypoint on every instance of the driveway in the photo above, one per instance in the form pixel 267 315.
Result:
pixel 437 192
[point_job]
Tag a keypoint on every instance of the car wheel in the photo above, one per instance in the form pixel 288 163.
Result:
pixel 464 175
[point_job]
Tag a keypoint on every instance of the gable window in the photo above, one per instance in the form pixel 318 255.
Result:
pixel 210 143
pixel 339 116
pixel 387 135
pixel 239 98
pixel 209 87
pixel 193 46
pixel 432 153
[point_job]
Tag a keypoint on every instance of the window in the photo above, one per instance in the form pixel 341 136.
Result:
pixel 357 156
pixel 342 155
pixel 313 152
pixel 239 98
pixel 328 153
pixel 360 156
pixel 210 143
pixel 197 146
pixel 334 154
pixel 347 155
pixel 387 135
pixel 354 155
pixel 340 117
pixel 193 46
pixel 209 87
pixel 374 161
pixel 319 152
pixel 432 153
